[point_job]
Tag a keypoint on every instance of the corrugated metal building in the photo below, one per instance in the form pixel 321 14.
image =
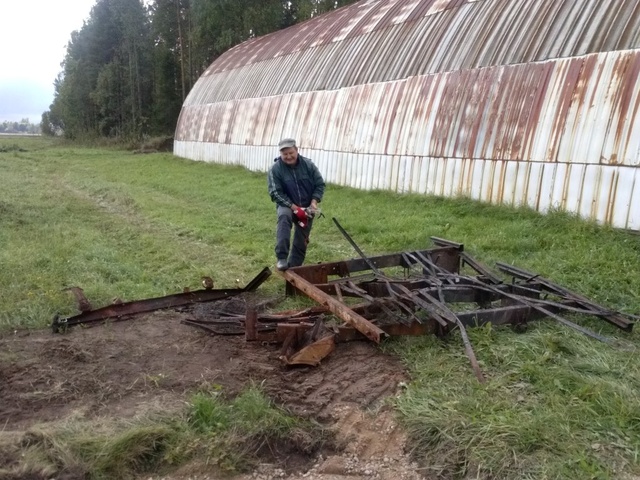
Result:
pixel 524 102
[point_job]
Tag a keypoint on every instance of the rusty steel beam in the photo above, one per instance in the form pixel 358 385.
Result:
pixel 516 314
pixel 346 333
pixel 446 258
pixel 151 304
pixel 614 318
pixel 546 311
pixel 251 325
pixel 462 292
pixel 358 250
pixel 352 318
pixel 512 314
pixel 278 333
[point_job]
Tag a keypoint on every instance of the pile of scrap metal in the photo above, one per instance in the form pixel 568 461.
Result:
pixel 432 291
pixel 408 293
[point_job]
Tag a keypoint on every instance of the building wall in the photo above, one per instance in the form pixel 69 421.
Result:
pixel 523 102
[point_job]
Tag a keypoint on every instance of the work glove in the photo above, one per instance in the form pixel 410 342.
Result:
pixel 301 217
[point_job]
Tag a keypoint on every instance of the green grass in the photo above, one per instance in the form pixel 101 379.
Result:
pixel 556 404
pixel 212 432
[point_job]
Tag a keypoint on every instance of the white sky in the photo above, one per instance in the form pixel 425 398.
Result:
pixel 33 39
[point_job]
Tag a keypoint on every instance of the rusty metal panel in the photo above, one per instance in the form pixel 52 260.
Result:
pixel 493 113
pixel 511 31
pixel 623 32
pixel 583 17
pixel 553 110
pixel 624 120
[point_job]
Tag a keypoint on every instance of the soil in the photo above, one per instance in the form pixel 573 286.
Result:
pixel 120 368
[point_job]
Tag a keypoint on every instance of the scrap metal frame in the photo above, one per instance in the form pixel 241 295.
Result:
pixel 118 310
pixel 442 282
pixel 424 304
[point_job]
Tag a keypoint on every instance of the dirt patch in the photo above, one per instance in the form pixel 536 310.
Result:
pixel 370 446
pixel 120 369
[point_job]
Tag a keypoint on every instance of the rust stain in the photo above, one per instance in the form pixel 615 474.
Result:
pixel 566 185
pixel 539 94
pixel 631 194
pixel 499 197
pixel 491 117
pixel 611 203
pixel 539 186
pixel 471 104
pixel 565 93
pixel 514 188
pixel 527 183
pixel 628 110
pixel 397 93
pixel 491 180
pixel 594 202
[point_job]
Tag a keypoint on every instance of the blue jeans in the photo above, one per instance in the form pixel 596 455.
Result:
pixel 298 251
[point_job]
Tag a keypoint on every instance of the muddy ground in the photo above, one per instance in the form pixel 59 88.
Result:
pixel 119 369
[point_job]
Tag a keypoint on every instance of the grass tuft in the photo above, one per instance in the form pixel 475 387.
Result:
pixel 229 436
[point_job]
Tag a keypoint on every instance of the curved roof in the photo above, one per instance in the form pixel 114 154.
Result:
pixel 379 40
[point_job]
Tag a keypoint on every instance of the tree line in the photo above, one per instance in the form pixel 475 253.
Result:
pixel 21 127
pixel 129 68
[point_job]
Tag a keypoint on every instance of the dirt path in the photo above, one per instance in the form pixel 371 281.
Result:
pixel 122 368
pixel 373 447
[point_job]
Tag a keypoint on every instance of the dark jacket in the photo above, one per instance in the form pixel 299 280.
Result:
pixel 297 184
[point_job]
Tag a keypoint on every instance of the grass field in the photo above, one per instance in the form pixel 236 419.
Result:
pixel 556 405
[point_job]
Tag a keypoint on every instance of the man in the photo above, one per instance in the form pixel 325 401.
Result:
pixel 296 187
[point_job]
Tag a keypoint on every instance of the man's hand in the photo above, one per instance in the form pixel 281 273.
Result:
pixel 312 209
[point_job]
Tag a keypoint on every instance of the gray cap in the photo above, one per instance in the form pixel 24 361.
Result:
pixel 286 143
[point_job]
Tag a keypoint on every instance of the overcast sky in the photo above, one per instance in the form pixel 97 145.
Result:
pixel 33 39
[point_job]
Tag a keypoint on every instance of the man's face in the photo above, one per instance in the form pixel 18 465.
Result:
pixel 289 155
